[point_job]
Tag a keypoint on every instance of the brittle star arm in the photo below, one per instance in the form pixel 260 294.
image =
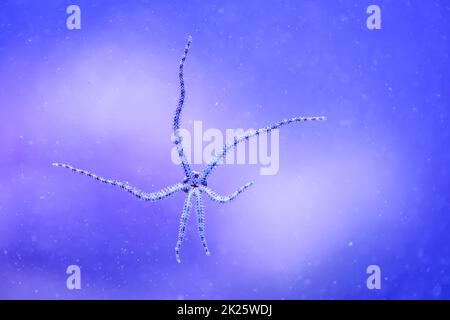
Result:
pixel 222 199
pixel 238 139
pixel 183 223
pixel 147 196
pixel 176 119
pixel 200 211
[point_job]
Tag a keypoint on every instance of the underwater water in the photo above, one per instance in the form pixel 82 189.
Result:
pixel 369 186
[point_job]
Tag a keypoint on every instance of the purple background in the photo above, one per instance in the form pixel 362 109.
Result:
pixel 369 186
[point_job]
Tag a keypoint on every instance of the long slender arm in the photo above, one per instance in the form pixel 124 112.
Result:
pixel 219 198
pixel 183 222
pixel 176 119
pixel 200 211
pixel 147 196
pixel 227 147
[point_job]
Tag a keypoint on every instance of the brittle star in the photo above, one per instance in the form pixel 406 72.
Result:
pixel 194 183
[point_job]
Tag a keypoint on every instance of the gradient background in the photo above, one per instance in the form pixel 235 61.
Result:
pixel 369 186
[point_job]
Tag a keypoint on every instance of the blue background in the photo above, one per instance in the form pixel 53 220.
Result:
pixel 368 186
